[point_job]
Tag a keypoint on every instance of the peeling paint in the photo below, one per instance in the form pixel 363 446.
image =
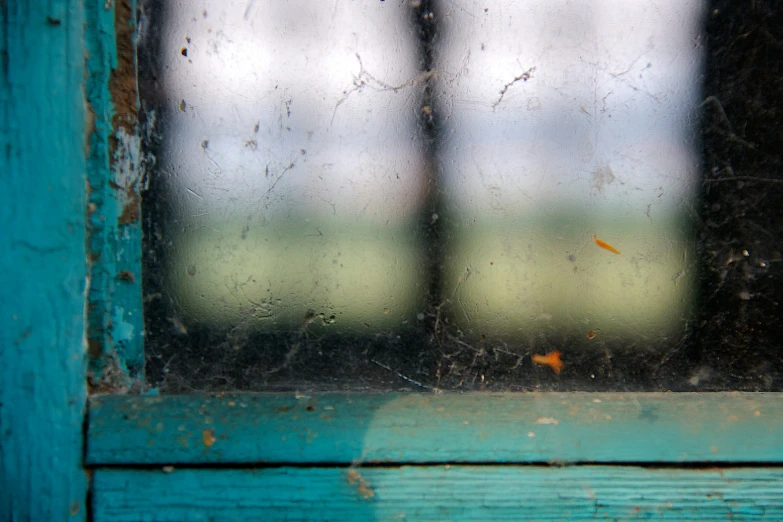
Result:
pixel 113 209
pixel 122 82
pixel 208 438
pixel 394 427
pixel 126 171
pixel 363 487
pixel 121 329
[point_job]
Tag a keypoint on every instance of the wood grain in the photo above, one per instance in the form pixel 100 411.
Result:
pixel 43 261
pixel 514 493
pixel 114 159
pixel 427 428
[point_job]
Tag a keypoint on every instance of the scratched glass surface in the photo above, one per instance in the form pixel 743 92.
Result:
pixel 456 195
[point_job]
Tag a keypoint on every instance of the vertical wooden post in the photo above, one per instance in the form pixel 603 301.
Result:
pixel 114 330
pixel 43 265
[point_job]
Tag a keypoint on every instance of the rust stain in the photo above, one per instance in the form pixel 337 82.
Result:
pixel 124 95
pixel 89 126
pixel 131 209
pixel 122 83
pixel 126 275
pixel 183 440
pixel 364 488
pixel 208 438
pixel 113 379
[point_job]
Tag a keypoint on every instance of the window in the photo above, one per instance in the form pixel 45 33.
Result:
pixel 415 196
pixel 72 232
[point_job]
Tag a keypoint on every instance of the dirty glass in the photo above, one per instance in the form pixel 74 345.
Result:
pixel 458 195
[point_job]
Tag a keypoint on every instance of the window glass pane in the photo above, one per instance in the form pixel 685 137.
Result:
pixel 581 130
pixel 450 195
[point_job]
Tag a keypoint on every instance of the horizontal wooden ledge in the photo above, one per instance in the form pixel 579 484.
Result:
pixel 438 493
pixel 428 428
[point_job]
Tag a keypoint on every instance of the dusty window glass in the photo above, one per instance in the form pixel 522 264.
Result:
pixel 461 196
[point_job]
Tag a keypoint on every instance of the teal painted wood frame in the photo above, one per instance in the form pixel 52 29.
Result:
pixel 70 161
pixel 717 428
pixel 437 493
pixel 71 240
pixel 43 260
pixel 115 320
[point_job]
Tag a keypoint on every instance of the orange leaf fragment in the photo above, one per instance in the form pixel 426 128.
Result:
pixel 552 359
pixel 605 245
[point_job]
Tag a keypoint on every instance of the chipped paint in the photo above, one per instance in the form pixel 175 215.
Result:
pixel 363 487
pixel 208 438
pixel 123 330
pixel 114 180
pixel 393 427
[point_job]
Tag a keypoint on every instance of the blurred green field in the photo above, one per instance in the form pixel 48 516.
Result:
pixel 351 277
pixel 532 276
pixel 507 279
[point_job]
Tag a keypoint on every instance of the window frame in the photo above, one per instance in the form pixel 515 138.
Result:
pixel 43 397
pixel 83 112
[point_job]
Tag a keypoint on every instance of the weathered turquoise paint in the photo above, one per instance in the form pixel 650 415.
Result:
pixel 115 298
pixel 480 428
pixel 513 493
pixel 43 262
pixel 43 276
